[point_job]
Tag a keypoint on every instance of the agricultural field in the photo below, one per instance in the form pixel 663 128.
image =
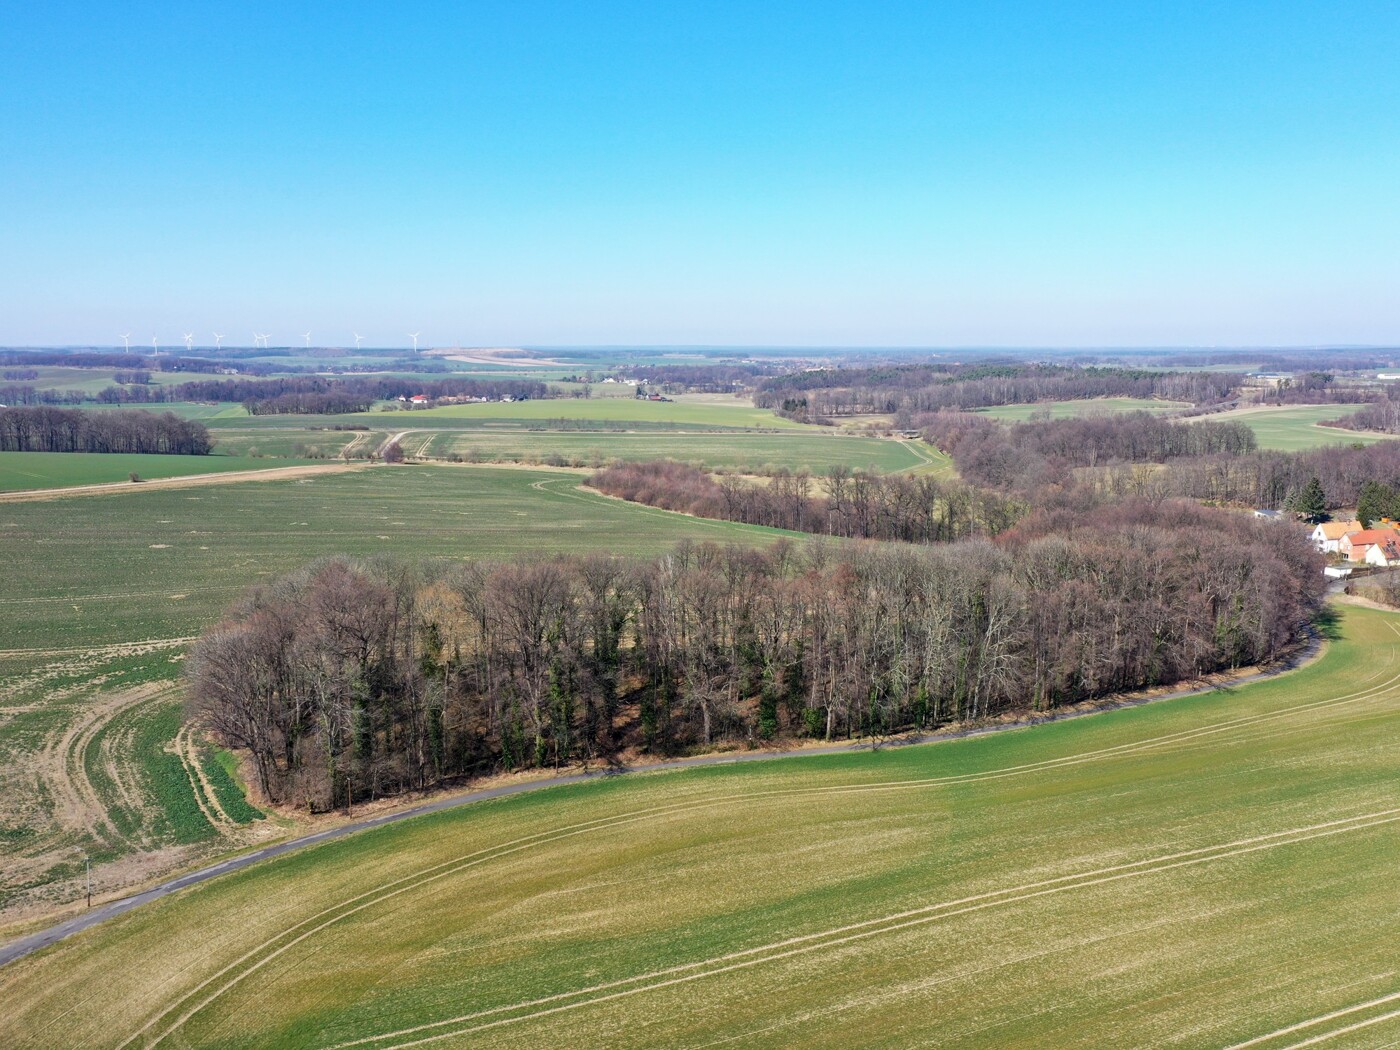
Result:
pixel 21 471
pixel 1289 429
pixel 93 381
pixel 1215 870
pixel 102 594
pixel 1097 406
pixel 89 571
pixel 814 452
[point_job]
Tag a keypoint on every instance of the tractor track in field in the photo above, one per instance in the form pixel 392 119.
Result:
pixel 280 943
pixel 776 951
pixel 203 790
pixel 1347 1013
pixel 63 761
pixel 62 764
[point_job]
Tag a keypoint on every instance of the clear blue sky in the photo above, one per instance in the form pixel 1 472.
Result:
pixel 805 173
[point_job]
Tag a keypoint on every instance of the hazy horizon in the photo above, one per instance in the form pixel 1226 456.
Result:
pixel 1081 176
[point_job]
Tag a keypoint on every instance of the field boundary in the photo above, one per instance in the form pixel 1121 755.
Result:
pixel 183 481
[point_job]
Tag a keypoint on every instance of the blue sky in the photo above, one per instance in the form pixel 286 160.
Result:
pixel 749 173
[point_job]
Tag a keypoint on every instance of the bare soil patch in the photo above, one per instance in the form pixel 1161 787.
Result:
pixel 189 481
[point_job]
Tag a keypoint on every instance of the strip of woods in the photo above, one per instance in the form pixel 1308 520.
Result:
pixel 349 679
pixel 72 430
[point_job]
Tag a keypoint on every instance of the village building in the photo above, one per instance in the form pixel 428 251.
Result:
pixel 1328 535
pixel 1355 546
pixel 1384 554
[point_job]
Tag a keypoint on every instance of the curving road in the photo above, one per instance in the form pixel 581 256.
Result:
pixel 33 942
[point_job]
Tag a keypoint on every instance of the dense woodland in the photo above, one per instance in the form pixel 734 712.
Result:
pixel 908 390
pixel 350 680
pixel 847 503
pixel 1381 416
pixel 73 430
pixel 1026 456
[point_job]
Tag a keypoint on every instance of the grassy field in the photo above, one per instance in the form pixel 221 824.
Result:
pixel 20 471
pixel 1198 872
pixel 813 452
pixel 1091 407
pixel 1290 429
pixel 102 593
pixel 88 571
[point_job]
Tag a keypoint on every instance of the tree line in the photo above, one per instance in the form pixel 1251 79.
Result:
pixel 843 502
pixel 73 430
pixel 351 680
pixel 322 395
pixel 1381 416
pixel 907 390
pixel 1026 456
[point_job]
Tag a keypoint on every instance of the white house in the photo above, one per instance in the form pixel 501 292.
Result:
pixel 1327 536
pixel 1384 554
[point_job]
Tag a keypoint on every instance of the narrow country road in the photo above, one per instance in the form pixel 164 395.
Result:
pixel 33 942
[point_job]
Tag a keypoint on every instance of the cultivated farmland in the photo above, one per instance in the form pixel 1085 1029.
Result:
pixel 1085 407
pixel 1209 871
pixel 1293 428
pixel 103 592
pixel 21 471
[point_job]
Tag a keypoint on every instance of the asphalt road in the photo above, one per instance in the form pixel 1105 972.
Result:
pixel 33 942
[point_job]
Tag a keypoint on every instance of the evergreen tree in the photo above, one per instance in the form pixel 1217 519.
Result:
pixel 1374 502
pixel 1310 504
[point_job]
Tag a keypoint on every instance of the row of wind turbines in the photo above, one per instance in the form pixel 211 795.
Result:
pixel 260 339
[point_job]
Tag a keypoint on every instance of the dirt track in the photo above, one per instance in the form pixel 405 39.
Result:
pixel 187 481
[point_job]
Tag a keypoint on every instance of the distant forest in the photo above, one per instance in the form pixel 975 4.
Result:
pixel 908 390
pixel 73 430
pixel 355 680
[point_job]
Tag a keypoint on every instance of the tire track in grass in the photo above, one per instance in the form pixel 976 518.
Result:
pixel 270 949
pixel 1313 1022
pixel 842 935
pixel 63 763
pixel 199 784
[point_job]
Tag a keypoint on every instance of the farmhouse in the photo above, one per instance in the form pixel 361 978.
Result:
pixel 418 399
pixel 1355 546
pixel 1329 534
pixel 1384 554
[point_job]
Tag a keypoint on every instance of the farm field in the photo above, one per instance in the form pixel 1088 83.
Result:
pixel 1215 870
pixel 812 452
pixel 102 594
pixel 1292 428
pixel 21 471
pixel 93 381
pixel 90 571
pixel 697 410
pixel 1090 407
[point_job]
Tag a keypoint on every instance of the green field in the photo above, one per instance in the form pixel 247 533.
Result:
pixel 102 593
pixel 1091 407
pixel 89 571
pixel 51 470
pixel 717 450
pixel 1198 872
pixel 1291 429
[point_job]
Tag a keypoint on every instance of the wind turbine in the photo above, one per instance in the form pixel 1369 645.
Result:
pixel 218 341
pixel 358 340
pixel 189 341
pixel 155 346
pixel 414 336
pixel 127 340
pixel 307 337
